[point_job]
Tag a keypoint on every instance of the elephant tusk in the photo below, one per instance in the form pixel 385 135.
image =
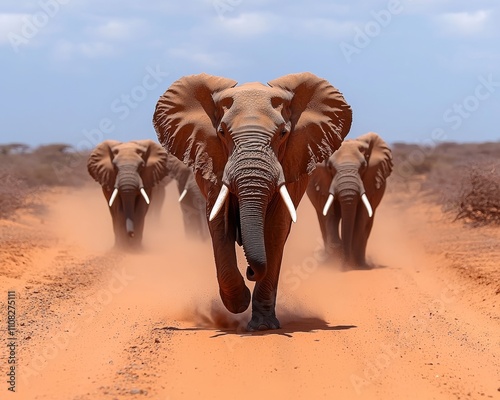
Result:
pixel 328 203
pixel 288 202
pixel 367 204
pixel 113 197
pixel 183 194
pixel 224 192
pixel 144 194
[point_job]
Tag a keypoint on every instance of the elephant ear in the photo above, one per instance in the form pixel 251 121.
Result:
pixel 379 157
pixel 320 118
pixel 185 121
pixel 155 158
pixel 100 164
pixel 321 179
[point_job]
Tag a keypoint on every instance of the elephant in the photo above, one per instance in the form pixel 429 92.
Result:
pixel 252 148
pixel 128 172
pixel 358 170
pixel 191 200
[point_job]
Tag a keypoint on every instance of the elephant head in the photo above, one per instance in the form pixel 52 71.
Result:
pixel 252 148
pixel 127 173
pixel 357 171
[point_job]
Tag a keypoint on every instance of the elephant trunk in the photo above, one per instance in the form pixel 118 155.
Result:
pixel 348 207
pixel 347 188
pixel 128 184
pixel 254 175
pixel 252 214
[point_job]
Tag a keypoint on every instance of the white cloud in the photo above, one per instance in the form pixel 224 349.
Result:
pixel 464 23
pixel 119 29
pixel 11 23
pixel 324 27
pixel 248 24
pixel 200 58
pixel 65 50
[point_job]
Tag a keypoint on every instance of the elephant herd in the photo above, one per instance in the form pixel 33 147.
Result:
pixel 132 175
pixel 243 156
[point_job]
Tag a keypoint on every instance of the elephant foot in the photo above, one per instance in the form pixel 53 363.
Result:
pixel 331 253
pixel 129 249
pixel 237 302
pixel 362 265
pixel 263 323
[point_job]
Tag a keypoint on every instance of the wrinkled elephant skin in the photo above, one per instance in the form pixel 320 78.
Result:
pixel 345 190
pixel 252 148
pixel 128 172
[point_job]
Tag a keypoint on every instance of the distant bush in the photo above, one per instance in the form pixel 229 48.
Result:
pixel 25 172
pixel 463 177
pixel 14 193
pixel 51 165
pixel 479 199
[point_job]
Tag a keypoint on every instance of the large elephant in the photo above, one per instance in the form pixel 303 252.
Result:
pixel 252 148
pixel 348 187
pixel 128 172
pixel 191 200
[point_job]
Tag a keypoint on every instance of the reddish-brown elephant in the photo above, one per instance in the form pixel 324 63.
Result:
pixel 252 148
pixel 346 190
pixel 128 172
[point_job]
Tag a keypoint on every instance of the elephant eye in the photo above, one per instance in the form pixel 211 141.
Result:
pixel 284 130
pixel 221 130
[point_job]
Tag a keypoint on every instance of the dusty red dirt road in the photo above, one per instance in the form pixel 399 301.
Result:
pixel 96 324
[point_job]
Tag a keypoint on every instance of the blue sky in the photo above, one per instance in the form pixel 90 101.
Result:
pixel 77 71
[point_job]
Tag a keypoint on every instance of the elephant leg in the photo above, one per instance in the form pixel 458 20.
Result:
pixel 189 218
pixel 333 245
pixel 119 230
pixel 232 289
pixel 364 242
pixel 364 226
pixel 140 217
pixel 277 228
pixel 193 215
pixel 322 226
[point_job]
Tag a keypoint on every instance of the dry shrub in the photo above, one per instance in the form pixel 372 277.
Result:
pixel 14 194
pixel 463 178
pixel 50 165
pixel 479 200
pixel 26 172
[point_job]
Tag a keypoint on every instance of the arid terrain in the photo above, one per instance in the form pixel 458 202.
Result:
pixel 94 323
